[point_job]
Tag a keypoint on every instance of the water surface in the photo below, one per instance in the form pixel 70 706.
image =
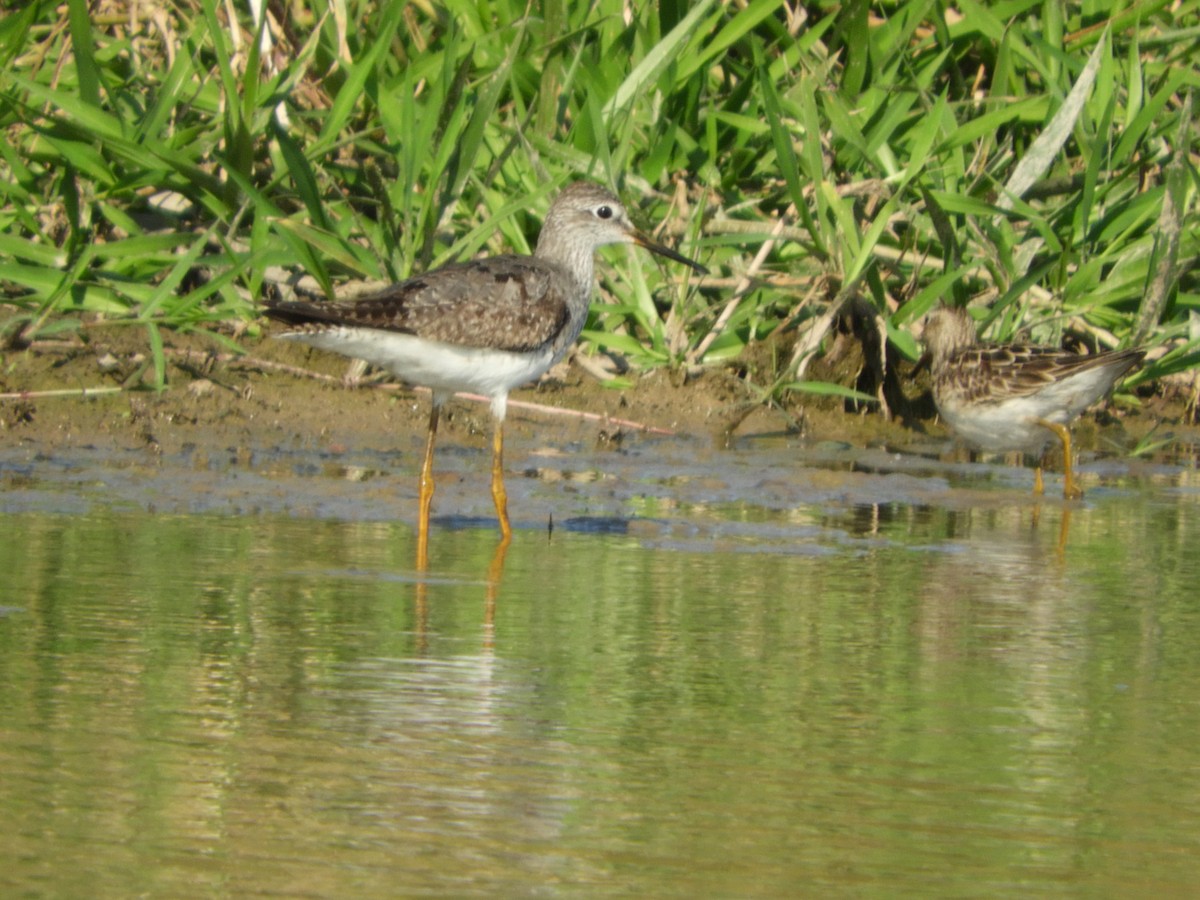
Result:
pixel 735 675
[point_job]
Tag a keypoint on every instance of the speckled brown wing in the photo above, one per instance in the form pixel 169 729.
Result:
pixel 990 374
pixel 510 303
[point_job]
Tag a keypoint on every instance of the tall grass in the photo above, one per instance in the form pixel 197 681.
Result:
pixel 164 166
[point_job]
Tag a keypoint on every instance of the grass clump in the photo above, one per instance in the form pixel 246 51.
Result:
pixel 165 164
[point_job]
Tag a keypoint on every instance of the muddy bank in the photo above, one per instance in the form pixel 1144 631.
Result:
pixel 280 395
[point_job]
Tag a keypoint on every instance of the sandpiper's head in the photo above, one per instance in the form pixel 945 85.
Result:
pixel 586 216
pixel 948 329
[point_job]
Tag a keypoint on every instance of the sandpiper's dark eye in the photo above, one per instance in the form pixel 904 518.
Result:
pixel 604 212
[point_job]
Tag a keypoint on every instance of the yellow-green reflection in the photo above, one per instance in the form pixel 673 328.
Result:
pixel 907 696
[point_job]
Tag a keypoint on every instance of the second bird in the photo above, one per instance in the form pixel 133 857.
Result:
pixel 484 326
pixel 1015 396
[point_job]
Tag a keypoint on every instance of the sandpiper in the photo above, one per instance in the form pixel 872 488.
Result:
pixel 1017 396
pixel 484 326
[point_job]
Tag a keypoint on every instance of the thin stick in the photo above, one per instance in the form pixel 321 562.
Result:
pixel 559 411
pixel 62 392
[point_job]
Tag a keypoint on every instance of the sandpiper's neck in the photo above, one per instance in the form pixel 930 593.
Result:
pixel 576 260
pixel 574 256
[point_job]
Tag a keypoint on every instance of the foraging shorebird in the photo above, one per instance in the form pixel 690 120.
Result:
pixel 1017 396
pixel 484 326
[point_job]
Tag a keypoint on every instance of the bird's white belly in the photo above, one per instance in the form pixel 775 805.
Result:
pixel 444 368
pixel 999 427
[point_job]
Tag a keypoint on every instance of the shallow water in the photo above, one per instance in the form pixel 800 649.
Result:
pixel 767 672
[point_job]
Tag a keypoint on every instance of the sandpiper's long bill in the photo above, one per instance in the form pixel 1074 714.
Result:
pixel 1015 396
pixel 484 326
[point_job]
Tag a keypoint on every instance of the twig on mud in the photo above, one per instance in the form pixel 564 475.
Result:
pixel 257 362
pixel 577 413
pixel 60 392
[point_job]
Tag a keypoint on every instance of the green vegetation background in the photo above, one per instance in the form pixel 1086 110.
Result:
pixel 163 166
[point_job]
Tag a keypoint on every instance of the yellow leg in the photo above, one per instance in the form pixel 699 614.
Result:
pixel 1039 486
pixel 425 494
pixel 1071 491
pixel 499 494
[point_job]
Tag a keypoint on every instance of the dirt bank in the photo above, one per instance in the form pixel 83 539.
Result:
pixel 280 394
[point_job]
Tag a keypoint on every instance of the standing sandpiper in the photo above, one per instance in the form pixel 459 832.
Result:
pixel 1015 397
pixel 484 326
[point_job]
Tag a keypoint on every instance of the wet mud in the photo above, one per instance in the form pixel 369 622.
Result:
pixel 285 429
